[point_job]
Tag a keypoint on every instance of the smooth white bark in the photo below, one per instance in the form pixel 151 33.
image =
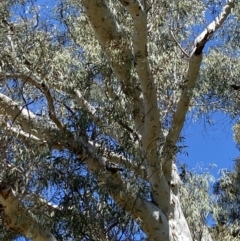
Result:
pixel 118 51
pixel 194 64
pixel 152 129
pixel 17 217
pixel 161 219
pixel 179 116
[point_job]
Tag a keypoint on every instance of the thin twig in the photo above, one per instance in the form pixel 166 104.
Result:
pixel 184 52
pixel 21 110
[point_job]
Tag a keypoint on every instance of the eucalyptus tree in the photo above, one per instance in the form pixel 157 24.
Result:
pixel 226 190
pixel 227 193
pixel 94 96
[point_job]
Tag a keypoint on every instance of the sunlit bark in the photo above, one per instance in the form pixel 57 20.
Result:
pixel 160 218
pixel 18 218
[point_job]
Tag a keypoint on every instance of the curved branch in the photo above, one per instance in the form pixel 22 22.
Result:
pixel 154 221
pixel 33 80
pixel 207 33
pixel 30 124
pixel 35 128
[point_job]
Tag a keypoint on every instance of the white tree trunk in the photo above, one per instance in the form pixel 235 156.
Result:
pixel 162 218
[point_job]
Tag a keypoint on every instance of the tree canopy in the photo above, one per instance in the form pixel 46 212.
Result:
pixel 94 96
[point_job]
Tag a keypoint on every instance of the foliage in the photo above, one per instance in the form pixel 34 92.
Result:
pixel 91 115
pixel 227 193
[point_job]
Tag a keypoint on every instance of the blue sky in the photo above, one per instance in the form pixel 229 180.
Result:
pixel 208 145
pixel 205 144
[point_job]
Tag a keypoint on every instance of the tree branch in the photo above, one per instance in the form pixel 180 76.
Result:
pixel 116 47
pixel 152 129
pixel 34 128
pixel 122 161
pixel 195 61
pixel 152 217
pixel 208 32
pixel 30 123
pixel 33 80
pixel 19 132
pixel 180 47
pixel 154 222
pixel 17 217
